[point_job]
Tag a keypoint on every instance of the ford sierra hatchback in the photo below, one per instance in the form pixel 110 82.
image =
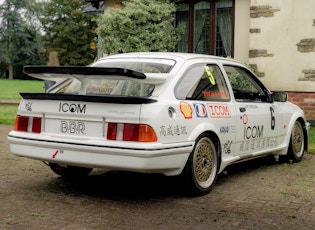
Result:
pixel 169 113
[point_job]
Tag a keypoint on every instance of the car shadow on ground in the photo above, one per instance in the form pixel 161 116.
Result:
pixel 120 185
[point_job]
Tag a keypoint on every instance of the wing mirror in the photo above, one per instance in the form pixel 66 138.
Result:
pixel 280 96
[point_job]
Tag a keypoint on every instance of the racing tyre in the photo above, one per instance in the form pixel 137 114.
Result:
pixel 296 146
pixel 201 170
pixel 69 171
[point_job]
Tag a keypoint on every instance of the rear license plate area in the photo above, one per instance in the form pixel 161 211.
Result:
pixel 88 128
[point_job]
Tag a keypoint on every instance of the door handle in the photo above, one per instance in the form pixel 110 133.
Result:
pixel 242 109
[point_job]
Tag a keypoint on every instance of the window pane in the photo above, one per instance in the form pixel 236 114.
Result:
pixel 146 65
pixel 211 28
pixel 182 19
pixel 223 28
pixel 244 85
pixel 201 27
pixel 204 83
pixel 99 86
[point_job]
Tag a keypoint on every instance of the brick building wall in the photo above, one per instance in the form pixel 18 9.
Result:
pixel 306 100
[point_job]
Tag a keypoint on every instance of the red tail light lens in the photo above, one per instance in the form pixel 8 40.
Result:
pixel 21 123
pixel 141 133
pixel 131 132
pixel 28 124
pixel 112 131
pixel 37 125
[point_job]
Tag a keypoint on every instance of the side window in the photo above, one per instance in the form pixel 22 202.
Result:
pixel 203 82
pixel 245 87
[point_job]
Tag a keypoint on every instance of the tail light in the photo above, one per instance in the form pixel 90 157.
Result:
pixel 21 123
pixel 37 125
pixel 28 124
pixel 131 132
pixel 112 131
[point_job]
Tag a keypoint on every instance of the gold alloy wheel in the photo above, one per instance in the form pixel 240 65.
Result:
pixel 205 162
pixel 297 139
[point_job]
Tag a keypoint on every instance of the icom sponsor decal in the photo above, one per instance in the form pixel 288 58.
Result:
pixel 253 132
pixel 186 110
pixel 254 139
pixel 219 110
pixel 72 108
pixel 172 130
pixel 200 110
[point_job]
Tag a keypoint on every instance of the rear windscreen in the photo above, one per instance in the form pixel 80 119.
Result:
pixel 107 87
pixel 140 65
pixel 112 87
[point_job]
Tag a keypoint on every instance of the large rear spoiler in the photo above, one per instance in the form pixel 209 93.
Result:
pixel 52 73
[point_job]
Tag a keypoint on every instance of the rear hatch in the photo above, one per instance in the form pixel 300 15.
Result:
pixel 87 102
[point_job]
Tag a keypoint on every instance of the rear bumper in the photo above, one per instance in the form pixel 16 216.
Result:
pixel 169 159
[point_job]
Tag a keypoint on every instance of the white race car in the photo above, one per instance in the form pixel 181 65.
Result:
pixel 169 113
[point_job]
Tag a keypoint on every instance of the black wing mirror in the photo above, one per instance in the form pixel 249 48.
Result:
pixel 280 96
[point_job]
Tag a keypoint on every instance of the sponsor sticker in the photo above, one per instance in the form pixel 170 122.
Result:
pixel 172 130
pixel 200 110
pixel 28 106
pixel 245 119
pixel 186 110
pixel 219 110
pixel 72 108
pixel 72 127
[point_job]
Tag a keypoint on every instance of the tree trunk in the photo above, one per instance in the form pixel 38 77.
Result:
pixel 10 71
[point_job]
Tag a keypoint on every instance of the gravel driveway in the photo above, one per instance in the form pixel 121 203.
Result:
pixel 259 194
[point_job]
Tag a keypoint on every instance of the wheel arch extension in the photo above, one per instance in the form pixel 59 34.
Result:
pixel 305 126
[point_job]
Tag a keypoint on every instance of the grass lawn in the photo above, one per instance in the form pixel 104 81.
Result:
pixel 7 114
pixel 311 141
pixel 10 89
